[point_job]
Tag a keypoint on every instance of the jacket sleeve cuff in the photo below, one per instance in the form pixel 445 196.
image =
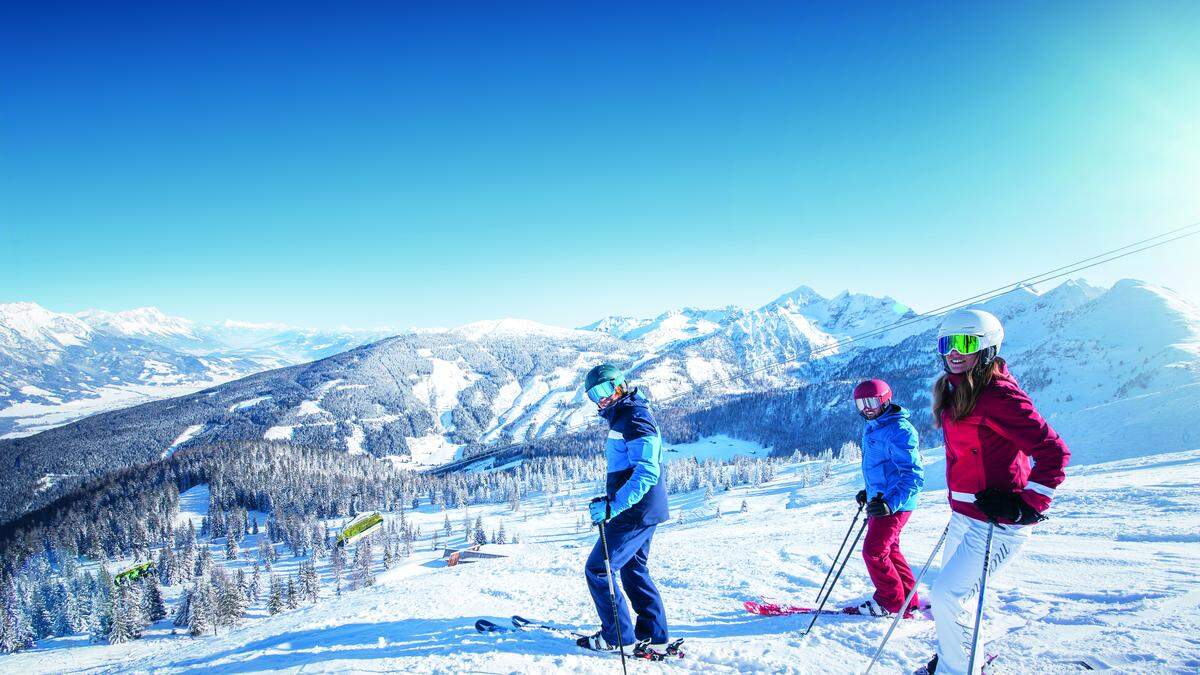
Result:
pixel 1036 499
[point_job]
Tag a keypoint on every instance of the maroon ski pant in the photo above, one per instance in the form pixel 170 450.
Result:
pixel 888 569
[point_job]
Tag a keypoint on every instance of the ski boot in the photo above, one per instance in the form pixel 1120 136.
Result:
pixel 872 608
pixel 595 642
pixel 658 652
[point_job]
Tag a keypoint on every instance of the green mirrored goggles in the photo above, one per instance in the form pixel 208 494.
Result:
pixel 963 344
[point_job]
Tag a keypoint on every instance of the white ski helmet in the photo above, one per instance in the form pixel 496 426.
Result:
pixel 981 324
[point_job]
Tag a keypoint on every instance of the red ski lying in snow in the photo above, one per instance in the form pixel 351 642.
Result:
pixel 771 609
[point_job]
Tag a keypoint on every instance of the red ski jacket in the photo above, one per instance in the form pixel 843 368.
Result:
pixel 991 448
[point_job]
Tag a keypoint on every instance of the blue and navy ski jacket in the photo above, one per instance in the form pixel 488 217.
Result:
pixel 637 479
pixel 891 462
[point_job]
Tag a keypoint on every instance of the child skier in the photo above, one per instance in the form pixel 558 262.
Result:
pixel 892 473
pixel 634 503
pixel 991 430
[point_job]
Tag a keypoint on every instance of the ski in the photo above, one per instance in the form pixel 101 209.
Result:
pixel 772 609
pixel 521 625
pixel 485 626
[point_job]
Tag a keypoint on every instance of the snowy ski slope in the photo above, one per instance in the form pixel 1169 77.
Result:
pixel 1110 580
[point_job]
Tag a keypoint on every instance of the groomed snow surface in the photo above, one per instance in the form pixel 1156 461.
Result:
pixel 1110 579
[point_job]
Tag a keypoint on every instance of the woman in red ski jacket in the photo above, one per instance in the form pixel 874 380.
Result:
pixel 992 431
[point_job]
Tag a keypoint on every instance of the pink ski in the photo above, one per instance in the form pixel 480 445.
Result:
pixel 765 608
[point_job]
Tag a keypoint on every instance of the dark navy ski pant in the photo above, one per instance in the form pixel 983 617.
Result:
pixel 628 550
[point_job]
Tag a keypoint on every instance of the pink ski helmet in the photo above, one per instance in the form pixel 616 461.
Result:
pixel 873 396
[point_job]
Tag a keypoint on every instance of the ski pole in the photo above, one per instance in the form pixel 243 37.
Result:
pixel 817 613
pixel 908 599
pixel 612 596
pixel 987 559
pixel 839 551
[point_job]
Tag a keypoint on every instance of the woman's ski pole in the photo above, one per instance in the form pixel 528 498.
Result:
pixel 987 558
pixel 908 599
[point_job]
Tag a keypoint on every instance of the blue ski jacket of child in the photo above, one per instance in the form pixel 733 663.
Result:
pixel 891 462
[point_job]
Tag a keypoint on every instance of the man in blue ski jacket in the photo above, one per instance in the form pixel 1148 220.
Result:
pixel 893 475
pixel 634 503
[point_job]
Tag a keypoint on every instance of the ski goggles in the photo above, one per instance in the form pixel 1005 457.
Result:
pixel 603 390
pixel 869 403
pixel 963 344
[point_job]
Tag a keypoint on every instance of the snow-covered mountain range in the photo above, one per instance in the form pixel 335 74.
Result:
pixel 56 368
pixel 1105 365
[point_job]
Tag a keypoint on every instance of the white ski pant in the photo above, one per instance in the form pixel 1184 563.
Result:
pixel 953 593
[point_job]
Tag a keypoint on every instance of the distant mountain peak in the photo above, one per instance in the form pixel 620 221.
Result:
pixel 511 327
pixel 139 322
pixel 802 295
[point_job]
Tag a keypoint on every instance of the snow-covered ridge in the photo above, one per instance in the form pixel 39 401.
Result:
pixel 423 396
pixel 144 322
pixel 59 367
pixel 510 328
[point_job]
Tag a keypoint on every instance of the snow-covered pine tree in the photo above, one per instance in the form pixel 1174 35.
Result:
pixel 39 607
pixel 165 567
pixel 185 568
pixel 310 582
pixel 231 603
pixel 363 575
pixel 126 615
pixel 202 615
pixel 102 606
pixel 183 614
pixel 153 608
pixel 337 563
pixel 15 632
pixel 204 562
pixel 231 547
pixel 64 610
pixel 292 598
pixel 318 541
pixel 253 588
pixel 264 553
pixel 480 536
pixel 274 596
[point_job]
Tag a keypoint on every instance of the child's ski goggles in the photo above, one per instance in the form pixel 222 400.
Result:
pixel 603 390
pixel 869 403
pixel 963 344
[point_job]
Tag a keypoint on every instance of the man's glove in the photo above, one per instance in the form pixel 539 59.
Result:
pixel 599 510
pixel 861 497
pixel 877 508
pixel 998 504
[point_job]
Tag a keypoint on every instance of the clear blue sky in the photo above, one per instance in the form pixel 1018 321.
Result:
pixel 334 164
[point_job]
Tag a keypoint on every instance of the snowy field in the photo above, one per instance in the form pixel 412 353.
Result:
pixel 1110 580
pixel 25 419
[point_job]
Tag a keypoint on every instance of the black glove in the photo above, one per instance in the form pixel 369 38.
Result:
pixel 861 497
pixel 878 508
pixel 999 504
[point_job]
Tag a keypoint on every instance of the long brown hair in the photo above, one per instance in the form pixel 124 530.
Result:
pixel 961 400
